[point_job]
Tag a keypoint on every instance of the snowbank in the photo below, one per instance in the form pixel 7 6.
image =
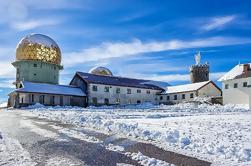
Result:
pixel 2 105
pixel 221 134
pixel 12 153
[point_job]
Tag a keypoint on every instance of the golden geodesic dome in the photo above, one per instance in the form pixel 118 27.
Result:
pixel 38 47
pixel 99 70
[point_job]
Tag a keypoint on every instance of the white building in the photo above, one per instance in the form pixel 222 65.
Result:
pixel 236 85
pixel 102 88
pixel 187 92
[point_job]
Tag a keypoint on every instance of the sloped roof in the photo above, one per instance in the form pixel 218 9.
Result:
pixel 236 72
pixel 186 87
pixel 31 87
pixel 118 81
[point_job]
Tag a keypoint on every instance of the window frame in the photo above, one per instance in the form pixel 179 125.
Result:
pixel 235 85
pixel 107 89
pixel 245 84
pixel 94 88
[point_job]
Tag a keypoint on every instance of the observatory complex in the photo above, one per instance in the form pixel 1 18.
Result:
pixel 38 66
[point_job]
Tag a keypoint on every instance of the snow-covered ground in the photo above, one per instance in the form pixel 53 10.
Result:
pixel 12 152
pixel 218 134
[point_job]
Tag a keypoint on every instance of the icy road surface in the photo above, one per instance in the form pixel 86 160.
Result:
pixel 26 140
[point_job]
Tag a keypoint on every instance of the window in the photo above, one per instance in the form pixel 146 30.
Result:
pixel 167 97
pixel 32 98
pixel 175 97
pixel 117 101
pixel 107 89
pixel 138 101
pixel 226 86
pixel 106 101
pixel 22 100
pixel 148 91
pixel 35 74
pixel 191 95
pixel 245 84
pixel 95 100
pixel 61 100
pixel 55 68
pixel 52 100
pixel 138 91
pixel 35 65
pixel 41 99
pixel 94 88
pixel 129 91
pixel 235 85
pixel 161 98
pixel 183 96
pixel 117 90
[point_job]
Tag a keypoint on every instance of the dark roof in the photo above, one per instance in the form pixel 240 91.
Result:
pixel 31 87
pixel 118 81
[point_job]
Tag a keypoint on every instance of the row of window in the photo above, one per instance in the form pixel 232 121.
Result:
pixel 244 84
pixel 106 101
pixel 107 89
pixel 175 97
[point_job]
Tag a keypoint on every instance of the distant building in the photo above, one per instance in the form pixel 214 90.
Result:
pixel 187 92
pixel 102 88
pixel 236 85
pixel 199 72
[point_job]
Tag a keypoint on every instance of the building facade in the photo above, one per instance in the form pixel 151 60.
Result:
pixel 188 92
pixel 236 85
pixel 111 90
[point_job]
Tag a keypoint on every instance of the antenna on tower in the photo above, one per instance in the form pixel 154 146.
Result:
pixel 197 58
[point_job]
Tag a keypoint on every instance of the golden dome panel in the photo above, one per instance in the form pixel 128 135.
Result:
pixel 38 47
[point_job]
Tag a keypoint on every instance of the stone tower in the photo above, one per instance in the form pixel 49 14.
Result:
pixel 199 72
pixel 38 59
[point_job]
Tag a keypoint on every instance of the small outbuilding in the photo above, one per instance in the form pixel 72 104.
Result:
pixel 187 92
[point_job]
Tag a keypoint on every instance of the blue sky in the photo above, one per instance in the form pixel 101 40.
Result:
pixel 141 39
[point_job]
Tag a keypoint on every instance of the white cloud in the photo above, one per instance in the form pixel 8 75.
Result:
pixel 218 22
pixel 32 24
pixel 108 50
pixel 7 70
pixel 7 83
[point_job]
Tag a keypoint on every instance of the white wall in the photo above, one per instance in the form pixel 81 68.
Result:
pixel 240 95
pixel 125 98
pixel 179 97
pixel 209 90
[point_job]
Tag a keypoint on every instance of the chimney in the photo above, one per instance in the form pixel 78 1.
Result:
pixel 246 68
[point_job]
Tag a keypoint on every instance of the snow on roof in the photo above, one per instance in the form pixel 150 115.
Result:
pixel 232 74
pixel 186 87
pixel 50 89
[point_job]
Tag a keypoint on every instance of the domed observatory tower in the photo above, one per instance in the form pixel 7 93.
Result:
pixel 199 72
pixel 38 59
